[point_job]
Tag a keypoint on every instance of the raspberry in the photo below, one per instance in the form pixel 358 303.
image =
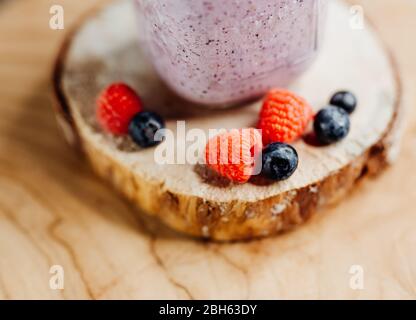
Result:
pixel 116 106
pixel 233 154
pixel 284 116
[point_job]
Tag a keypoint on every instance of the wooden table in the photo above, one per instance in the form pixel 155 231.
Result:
pixel 54 211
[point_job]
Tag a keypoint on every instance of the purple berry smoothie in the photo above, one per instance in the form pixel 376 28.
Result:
pixel 221 52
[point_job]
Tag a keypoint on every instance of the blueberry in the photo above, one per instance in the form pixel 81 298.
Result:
pixel 331 125
pixel 143 127
pixel 345 100
pixel 280 161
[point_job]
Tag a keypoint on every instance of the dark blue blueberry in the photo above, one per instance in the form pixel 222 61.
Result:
pixel 331 125
pixel 345 100
pixel 280 161
pixel 143 127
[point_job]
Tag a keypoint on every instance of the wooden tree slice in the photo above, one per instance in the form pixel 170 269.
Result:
pixel 104 49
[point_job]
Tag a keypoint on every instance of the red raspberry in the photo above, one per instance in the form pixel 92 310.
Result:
pixel 284 116
pixel 116 106
pixel 233 153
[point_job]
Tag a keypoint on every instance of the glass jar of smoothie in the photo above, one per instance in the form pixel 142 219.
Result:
pixel 222 52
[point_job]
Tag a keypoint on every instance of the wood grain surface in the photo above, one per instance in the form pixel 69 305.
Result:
pixel 104 49
pixel 54 211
